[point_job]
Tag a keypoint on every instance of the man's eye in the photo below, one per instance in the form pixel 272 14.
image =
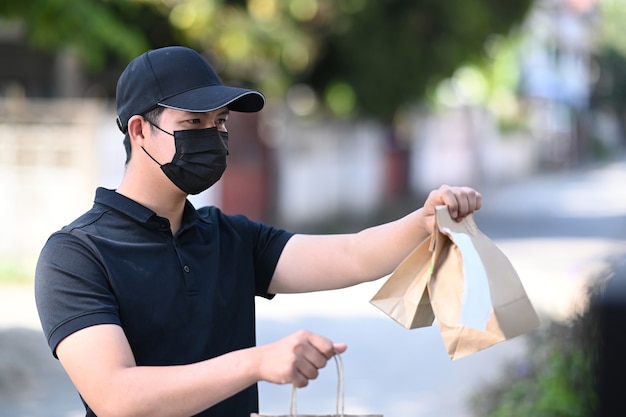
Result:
pixel 194 121
pixel 220 122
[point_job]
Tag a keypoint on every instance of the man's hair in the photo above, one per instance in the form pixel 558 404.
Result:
pixel 153 116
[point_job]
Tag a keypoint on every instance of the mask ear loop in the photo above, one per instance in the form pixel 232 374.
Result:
pixel 164 131
pixel 340 400
pixel 158 127
pixel 151 157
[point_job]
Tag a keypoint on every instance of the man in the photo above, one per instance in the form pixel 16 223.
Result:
pixel 149 303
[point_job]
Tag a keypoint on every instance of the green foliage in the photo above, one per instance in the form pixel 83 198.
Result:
pixel 382 54
pixel 613 13
pixel 557 381
pixel 94 29
pixel 392 51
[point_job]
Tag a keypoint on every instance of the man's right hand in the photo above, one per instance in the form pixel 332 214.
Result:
pixel 297 358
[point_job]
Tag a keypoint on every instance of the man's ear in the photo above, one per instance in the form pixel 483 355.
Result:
pixel 136 129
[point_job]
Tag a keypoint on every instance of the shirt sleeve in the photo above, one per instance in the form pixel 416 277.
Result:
pixel 71 289
pixel 269 245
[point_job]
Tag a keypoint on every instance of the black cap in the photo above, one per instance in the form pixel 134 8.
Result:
pixel 178 78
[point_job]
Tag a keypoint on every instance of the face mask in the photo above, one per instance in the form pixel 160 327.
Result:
pixel 200 158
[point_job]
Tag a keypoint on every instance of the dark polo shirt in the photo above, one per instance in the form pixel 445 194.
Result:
pixel 179 299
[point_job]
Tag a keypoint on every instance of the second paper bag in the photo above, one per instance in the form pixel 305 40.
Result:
pixel 459 278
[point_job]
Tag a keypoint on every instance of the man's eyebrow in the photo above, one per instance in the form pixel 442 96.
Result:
pixel 195 113
pixel 205 113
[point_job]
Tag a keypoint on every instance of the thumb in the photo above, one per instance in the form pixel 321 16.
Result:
pixel 339 347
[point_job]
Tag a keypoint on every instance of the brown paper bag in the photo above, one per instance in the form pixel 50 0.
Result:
pixel 339 412
pixel 460 278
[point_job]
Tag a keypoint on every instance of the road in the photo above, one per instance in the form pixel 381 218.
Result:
pixel 559 231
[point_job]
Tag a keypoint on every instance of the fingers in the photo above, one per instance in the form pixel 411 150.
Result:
pixel 315 351
pixel 316 359
pixel 298 358
pixel 461 201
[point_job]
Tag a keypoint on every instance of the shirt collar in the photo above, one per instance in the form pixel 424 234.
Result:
pixel 136 211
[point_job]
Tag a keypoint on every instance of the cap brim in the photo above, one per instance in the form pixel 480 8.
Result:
pixel 213 97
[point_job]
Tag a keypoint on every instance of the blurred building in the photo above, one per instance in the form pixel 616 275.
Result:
pixel 557 77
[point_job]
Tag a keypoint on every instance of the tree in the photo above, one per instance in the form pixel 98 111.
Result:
pixel 390 52
pixel 380 55
pixel 95 30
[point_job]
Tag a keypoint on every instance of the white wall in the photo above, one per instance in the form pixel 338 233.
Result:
pixel 328 167
pixel 47 171
pixel 53 154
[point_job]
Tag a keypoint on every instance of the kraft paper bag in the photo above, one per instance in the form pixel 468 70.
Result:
pixel 459 278
pixel 339 412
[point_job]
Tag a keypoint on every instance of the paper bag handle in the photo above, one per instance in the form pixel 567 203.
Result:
pixel 339 403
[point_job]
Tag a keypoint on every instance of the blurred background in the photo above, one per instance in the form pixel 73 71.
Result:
pixel 370 105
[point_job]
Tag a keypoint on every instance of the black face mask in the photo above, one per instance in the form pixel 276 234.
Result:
pixel 200 158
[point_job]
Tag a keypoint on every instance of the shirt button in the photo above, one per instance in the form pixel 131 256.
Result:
pixel 186 268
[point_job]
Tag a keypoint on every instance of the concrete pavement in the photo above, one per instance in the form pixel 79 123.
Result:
pixel 558 231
